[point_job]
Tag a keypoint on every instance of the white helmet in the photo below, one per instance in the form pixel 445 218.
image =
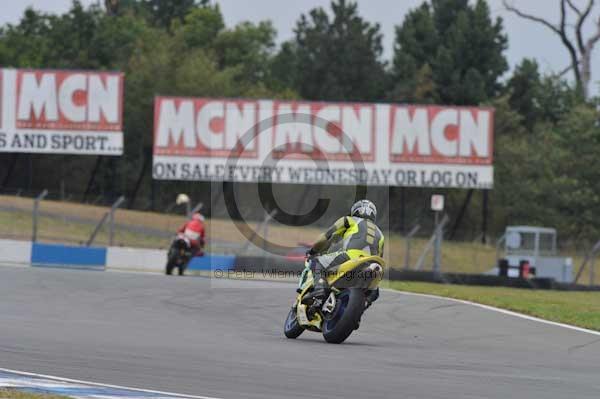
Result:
pixel 364 209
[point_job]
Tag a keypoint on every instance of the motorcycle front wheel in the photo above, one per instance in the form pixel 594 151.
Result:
pixel 349 307
pixel 292 329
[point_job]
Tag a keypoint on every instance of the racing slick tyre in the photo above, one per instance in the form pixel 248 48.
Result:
pixel 345 317
pixel 169 268
pixel 292 329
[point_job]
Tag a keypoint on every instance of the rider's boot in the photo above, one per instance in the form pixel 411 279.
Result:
pixel 321 287
pixel 371 297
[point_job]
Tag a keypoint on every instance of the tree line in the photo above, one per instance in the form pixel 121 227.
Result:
pixel 547 132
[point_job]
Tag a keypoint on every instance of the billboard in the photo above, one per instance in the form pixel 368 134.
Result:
pixel 61 112
pixel 322 143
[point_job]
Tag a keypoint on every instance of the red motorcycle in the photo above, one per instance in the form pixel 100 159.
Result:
pixel 179 255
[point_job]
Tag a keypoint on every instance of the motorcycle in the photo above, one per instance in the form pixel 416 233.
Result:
pixel 179 255
pixel 352 286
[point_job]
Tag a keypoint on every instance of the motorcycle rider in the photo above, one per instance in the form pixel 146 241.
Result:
pixel 350 237
pixel 194 231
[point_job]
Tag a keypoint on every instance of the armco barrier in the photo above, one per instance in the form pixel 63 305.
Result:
pixel 56 255
pixel 14 252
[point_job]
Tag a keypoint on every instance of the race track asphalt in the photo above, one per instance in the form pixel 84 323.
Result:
pixel 224 339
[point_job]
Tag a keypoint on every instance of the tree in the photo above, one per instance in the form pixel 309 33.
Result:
pixel 525 91
pixel 335 58
pixel 249 47
pixel 416 40
pixel 461 47
pixel 200 27
pixel 580 50
pixel 164 12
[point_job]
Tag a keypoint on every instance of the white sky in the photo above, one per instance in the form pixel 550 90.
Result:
pixel 526 39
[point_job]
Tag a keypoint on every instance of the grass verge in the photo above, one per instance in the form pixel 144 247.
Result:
pixel 14 394
pixel 580 309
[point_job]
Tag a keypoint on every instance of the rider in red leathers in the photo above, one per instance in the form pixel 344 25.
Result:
pixel 194 231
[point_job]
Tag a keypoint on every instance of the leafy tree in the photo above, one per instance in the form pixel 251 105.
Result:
pixel 284 71
pixel 27 43
pixel 411 67
pixel 164 12
pixel 557 98
pixel 459 43
pixel 525 92
pixel 200 26
pixel 335 58
pixel 545 177
pixel 249 47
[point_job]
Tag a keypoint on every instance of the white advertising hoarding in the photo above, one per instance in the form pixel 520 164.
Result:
pixel 61 112
pixel 322 143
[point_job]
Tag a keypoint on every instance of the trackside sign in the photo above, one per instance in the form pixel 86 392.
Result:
pixel 322 143
pixel 61 112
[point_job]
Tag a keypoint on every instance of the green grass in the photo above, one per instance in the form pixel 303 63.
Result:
pixel 576 308
pixel 14 394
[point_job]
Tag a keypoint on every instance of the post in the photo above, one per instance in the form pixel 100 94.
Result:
pixel 484 216
pixel 461 214
pixel 403 210
pixel 588 257
pixel 152 194
pixel 437 206
pixel 262 228
pixel 592 269
pixel 97 229
pixel 437 245
pixel 90 184
pixel 36 207
pixel 111 219
pixel 147 158
pixel 409 237
pixel 197 208
pixel 9 172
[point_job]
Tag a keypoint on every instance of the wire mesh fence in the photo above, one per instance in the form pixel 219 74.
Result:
pixel 74 223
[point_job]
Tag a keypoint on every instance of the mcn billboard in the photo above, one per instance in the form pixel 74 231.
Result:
pixel 61 112
pixel 322 143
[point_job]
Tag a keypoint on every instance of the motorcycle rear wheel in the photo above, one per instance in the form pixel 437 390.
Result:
pixel 292 329
pixel 169 268
pixel 350 305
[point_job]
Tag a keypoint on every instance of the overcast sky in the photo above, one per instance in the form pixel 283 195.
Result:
pixel 526 39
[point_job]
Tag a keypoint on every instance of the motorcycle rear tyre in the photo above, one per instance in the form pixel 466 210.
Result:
pixel 349 320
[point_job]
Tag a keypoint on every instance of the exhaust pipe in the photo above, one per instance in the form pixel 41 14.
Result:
pixel 375 268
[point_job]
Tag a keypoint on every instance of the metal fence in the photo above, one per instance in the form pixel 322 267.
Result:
pixel 424 247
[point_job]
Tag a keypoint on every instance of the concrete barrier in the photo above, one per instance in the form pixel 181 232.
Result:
pixel 212 262
pixel 16 253
pixel 57 255
pixel 154 260
pixel 25 253
pixel 136 259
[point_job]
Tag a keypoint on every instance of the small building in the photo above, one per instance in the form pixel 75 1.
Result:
pixel 537 246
